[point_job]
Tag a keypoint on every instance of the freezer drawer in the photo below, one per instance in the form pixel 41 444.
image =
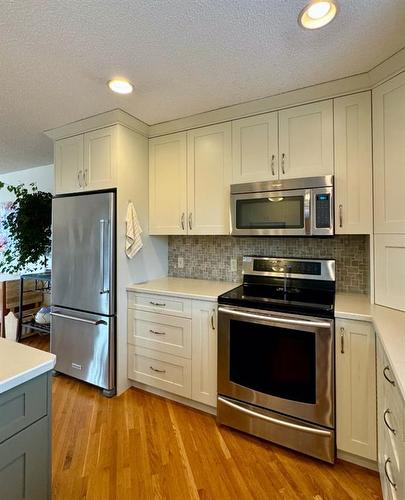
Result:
pixel 84 345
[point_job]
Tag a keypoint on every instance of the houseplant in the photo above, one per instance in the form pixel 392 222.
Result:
pixel 28 226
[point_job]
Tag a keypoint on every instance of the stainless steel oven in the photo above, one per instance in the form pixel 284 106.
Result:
pixel 276 366
pixel 293 207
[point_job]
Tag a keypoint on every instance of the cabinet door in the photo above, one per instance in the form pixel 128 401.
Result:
pixel 356 388
pixel 168 184
pixel 389 257
pixel 100 158
pixel 208 179
pixel 353 164
pixel 69 164
pixel 389 155
pixel 204 352
pixel 306 140
pixel 255 148
pixel 25 464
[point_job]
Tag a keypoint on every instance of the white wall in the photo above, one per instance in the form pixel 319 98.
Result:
pixel 42 176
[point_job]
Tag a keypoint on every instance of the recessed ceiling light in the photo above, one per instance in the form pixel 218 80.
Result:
pixel 317 13
pixel 120 86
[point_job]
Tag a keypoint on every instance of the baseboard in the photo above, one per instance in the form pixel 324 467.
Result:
pixel 355 459
pixel 173 397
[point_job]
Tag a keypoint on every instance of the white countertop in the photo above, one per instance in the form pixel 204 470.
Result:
pixel 185 287
pixel 388 323
pixel 20 363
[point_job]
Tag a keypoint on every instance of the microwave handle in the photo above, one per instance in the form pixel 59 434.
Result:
pixel 307 211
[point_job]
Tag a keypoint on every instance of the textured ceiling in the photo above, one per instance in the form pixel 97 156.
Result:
pixel 184 57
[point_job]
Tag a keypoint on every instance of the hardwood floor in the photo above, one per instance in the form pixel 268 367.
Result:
pixel 38 341
pixel 140 446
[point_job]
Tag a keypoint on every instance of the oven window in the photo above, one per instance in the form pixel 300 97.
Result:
pixel 270 213
pixel 276 361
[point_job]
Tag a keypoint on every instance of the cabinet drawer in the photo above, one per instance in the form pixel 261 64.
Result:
pixel 160 332
pixel 161 370
pixel 391 473
pixel 175 306
pixel 23 405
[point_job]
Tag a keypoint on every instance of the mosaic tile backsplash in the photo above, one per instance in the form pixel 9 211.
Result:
pixel 209 257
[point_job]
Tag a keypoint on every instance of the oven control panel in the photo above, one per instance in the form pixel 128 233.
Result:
pixel 320 269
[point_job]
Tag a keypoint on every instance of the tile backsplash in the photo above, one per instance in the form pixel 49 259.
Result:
pixel 209 257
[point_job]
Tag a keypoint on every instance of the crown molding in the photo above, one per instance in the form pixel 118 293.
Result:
pixel 388 68
pixel 335 88
pixel 382 72
pixel 113 117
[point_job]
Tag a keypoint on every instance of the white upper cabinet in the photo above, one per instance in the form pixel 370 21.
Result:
pixel 353 164
pixel 306 140
pixel 86 161
pixel 168 184
pixel 69 164
pixel 204 354
pixel 255 148
pixel 389 255
pixel 208 179
pixel 389 155
pixel 356 428
pixel 100 158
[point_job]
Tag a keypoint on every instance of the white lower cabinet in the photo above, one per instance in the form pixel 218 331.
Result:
pixel 391 430
pixel 356 389
pixel 204 355
pixel 172 345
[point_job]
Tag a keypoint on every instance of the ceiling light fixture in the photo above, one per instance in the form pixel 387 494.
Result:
pixel 317 13
pixel 120 86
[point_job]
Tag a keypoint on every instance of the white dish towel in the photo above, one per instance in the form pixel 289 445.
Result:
pixel 133 240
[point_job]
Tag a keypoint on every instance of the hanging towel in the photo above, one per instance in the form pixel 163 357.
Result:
pixel 133 240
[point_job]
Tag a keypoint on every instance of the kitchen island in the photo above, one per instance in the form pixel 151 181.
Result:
pixel 25 421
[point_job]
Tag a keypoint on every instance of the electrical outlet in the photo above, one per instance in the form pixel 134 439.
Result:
pixel 234 265
pixel 180 262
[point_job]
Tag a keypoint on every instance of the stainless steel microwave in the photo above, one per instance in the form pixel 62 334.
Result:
pixel 293 207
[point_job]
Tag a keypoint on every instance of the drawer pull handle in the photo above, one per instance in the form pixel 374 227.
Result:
pixel 387 368
pixel 157 333
pixel 272 165
pixel 342 340
pixel 157 304
pixel 156 370
pixel 392 483
pixel 388 412
pixel 212 320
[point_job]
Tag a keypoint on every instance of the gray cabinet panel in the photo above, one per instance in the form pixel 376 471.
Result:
pixel 24 464
pixel 23 405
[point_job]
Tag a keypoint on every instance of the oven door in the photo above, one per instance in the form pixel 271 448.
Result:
pixel 276 213
pixel 279 362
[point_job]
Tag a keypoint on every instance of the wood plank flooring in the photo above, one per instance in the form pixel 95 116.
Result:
pixel 141 446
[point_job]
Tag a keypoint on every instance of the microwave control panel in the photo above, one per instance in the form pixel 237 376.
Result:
pixel 323 210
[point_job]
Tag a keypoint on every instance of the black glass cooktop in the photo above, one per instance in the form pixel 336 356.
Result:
pixel 296 297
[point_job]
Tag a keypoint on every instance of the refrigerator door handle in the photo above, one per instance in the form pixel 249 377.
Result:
pixel 82 320
pixel 103 223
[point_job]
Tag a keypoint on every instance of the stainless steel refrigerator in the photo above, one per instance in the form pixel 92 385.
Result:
pixel 83 313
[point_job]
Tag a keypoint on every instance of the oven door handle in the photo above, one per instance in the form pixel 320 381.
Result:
pixel 285 321
pixel 276 421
